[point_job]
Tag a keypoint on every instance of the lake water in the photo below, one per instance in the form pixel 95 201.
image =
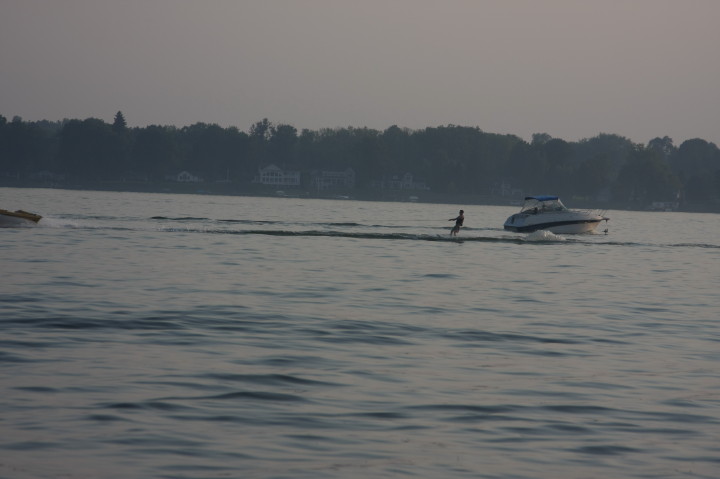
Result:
pixel 192 336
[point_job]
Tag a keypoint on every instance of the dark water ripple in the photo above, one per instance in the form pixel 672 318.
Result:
pixel 267 379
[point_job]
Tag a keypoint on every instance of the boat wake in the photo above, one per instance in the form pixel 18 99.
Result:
pixel 550 238
pixel 544 235
pixel 352 230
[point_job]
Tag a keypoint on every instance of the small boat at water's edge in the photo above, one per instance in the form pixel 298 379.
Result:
pixel 18 218
pixel 549 213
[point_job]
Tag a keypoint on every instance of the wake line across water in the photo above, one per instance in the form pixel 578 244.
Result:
pixel 239 221
pixel 367 235
pixel 172 225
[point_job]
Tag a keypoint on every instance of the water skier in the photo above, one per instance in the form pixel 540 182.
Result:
pixel 458 223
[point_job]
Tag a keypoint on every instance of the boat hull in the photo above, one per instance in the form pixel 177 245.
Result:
pixel 17 218
pixel 547 213
pixel 558 227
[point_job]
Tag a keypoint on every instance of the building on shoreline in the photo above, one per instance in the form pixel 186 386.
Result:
pixel 273 175
pixel 328 180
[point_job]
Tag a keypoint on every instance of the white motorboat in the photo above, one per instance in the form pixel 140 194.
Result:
pixel 550 214
pixel 18 218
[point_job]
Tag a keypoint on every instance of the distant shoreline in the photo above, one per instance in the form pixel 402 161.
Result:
pixel 428 197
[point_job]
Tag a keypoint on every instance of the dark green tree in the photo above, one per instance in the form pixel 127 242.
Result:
pixel 663 145
pixel 27 148
pixel 282 144
pixel 539 139
pixel 696 157
pixel 557 157
pixel 155 152
pixel 211 151
pixel 646 177
pixel 90 150
pixel 597 162
pixel 697 163
pixel 119 123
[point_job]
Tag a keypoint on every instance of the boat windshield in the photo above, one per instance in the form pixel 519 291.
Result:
pixel 541 204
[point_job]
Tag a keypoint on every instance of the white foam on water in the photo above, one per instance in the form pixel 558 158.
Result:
pixel 46 222
pixel 544 235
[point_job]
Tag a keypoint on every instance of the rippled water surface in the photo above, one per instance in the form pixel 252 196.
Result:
pixel 193 336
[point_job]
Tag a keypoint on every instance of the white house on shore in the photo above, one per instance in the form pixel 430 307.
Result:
pixel 326 180
pixel 507 190
pixel 400 182
pixel 272 175
pixel 184 177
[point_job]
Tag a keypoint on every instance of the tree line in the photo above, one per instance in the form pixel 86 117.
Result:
pixel 451 159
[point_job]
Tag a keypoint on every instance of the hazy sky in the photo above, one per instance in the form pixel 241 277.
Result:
pixel 570 68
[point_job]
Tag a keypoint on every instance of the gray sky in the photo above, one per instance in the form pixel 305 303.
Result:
pixel 570 68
